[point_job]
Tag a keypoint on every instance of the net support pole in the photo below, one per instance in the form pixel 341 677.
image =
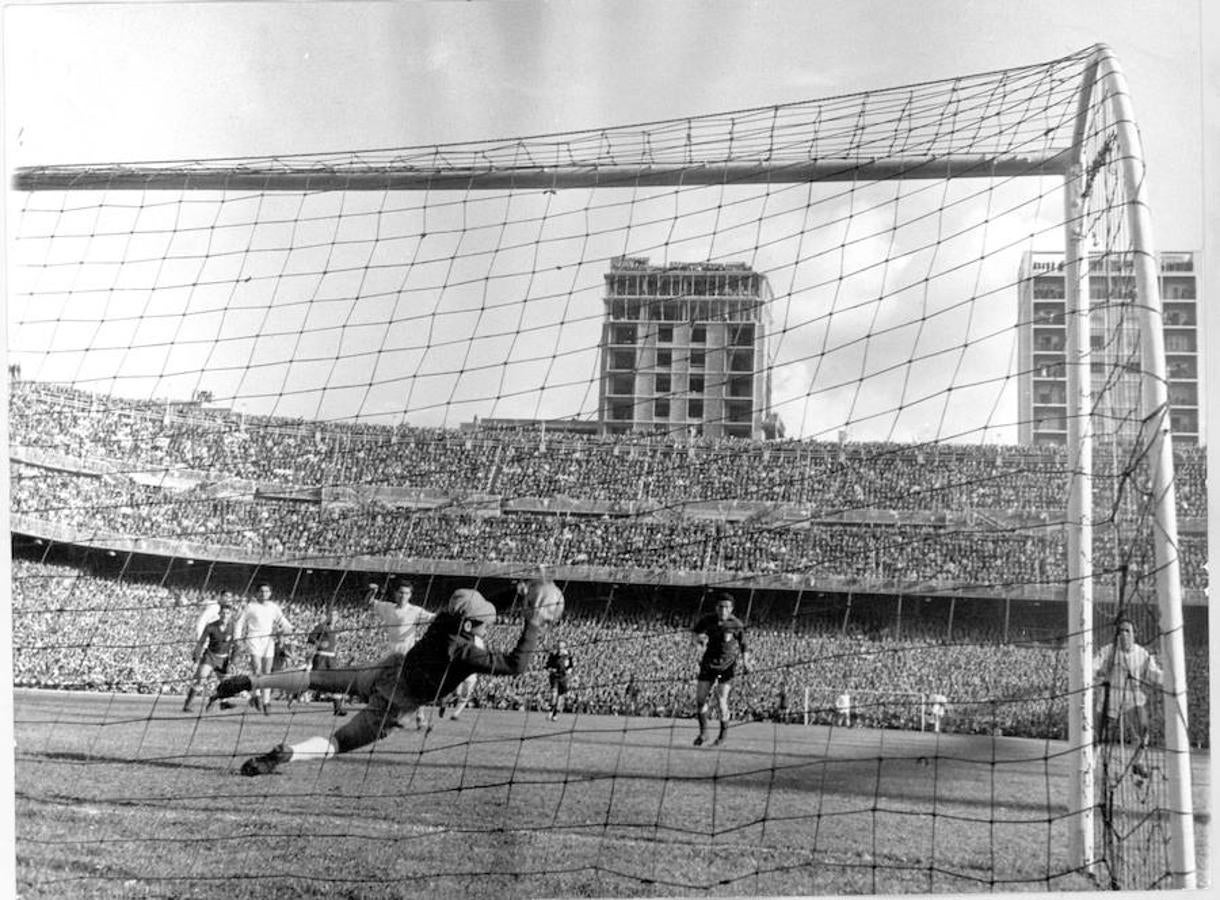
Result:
pixel 1080 521
pixel 1078 374
pixel 1160 456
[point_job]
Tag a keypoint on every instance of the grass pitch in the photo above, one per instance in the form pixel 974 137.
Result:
pixel 125 796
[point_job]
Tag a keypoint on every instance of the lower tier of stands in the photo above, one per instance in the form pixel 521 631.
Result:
pixel 87 620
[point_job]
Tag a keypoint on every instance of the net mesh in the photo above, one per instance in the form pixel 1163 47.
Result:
pixel 781 352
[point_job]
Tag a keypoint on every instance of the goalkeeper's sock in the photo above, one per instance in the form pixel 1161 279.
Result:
pixel 314 748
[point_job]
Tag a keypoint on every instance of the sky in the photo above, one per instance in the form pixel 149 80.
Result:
pixel 132 82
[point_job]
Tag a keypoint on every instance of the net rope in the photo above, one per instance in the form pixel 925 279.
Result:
pixel 324 369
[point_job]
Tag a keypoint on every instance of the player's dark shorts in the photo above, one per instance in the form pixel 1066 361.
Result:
pixel 717 673
pixel 323 663
pixel 218 663
pixel 559 684
pixel 386 704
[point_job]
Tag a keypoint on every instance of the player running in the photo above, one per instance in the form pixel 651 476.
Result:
pixel 558 666
pixel 323 643
pixel 448 653
pixel 722 635
pixel 258 626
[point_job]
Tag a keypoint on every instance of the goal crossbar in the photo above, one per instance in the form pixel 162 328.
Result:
pixel 415 178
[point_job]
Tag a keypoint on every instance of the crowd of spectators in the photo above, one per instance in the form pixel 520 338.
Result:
pixel 823 476
pixel 894 517
pixel 77 630
pixel 910 554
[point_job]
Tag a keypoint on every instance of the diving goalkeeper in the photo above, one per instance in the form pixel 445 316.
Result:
pixel 451 650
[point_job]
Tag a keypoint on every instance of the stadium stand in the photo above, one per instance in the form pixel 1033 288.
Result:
pixel 858 516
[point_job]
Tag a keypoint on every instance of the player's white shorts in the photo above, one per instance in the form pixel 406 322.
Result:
pixel 466 688
pixel 262 647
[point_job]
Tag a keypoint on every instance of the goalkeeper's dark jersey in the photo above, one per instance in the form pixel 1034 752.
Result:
pixel 444 657
pixel 726 640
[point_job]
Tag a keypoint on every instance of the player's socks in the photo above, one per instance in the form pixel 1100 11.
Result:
pixel 268 762
pixel 313 748
pixel 724 730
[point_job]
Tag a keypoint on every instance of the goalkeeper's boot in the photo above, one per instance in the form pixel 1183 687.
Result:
pixel 230 687
pixel 724 732
pixel 268 762
pixel 700 739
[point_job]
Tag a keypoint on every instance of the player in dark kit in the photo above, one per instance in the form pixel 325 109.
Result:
pixel 212 651
pixel 395 687
pixel 558 665
pixel 723 637
pixel 323 641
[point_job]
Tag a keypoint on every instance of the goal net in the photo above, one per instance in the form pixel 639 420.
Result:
pixel 892 369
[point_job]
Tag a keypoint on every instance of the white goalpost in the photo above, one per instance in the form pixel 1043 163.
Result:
pixel 1105 89
pixel 797 353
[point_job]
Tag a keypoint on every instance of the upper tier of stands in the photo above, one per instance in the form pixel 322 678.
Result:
pixel 194 443
pixel 981 519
